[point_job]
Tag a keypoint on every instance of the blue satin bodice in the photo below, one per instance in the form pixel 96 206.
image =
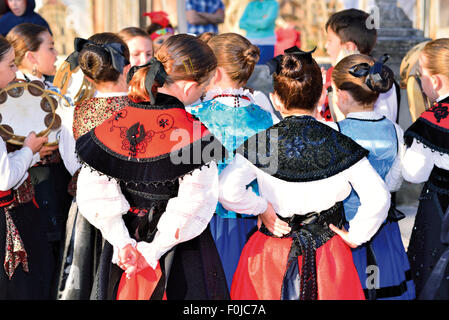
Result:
pixel 232 126
pixel 379 137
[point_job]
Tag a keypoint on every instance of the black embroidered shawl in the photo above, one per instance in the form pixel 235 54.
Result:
pixel 302 149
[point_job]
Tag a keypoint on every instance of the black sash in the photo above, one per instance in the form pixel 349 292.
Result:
pixel 309 232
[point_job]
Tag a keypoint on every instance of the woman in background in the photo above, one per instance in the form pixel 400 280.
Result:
pixel 259 22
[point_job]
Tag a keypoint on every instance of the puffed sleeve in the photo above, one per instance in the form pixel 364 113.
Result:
pixel 375 201
pixel 234 194
pixel 418 163
pixel 67 146
pixel 187 215
pixel 394 178
pixel 102 203
pixel 14 166
pixel 67 142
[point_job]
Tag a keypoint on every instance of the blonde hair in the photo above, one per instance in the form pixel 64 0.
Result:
pixel 236 55
pixel 357 86
pixel 437 56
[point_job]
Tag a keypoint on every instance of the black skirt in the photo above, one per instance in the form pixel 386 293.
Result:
pixel 427 245
pixel 41 226
pixel 38 282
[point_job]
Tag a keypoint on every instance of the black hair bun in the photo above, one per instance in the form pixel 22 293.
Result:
pixel 382 82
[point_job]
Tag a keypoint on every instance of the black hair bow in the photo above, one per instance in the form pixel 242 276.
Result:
pixel 156 73
pixel 274 65
pixel 373 73
pixel 115 50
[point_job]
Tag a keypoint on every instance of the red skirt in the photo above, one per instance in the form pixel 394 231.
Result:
pixel 141 286
pixel 260 273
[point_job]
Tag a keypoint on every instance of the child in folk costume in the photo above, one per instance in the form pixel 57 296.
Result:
pixel 104 60
pixel 348 33
pixel 36 58
pixel 23 240
pixel 427 160
pixel 358 80
pixel 299 253
pixel 232 115
pixel 139 44
pixel 152 181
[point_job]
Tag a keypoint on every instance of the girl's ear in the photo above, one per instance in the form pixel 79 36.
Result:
pixel 350 46
pixel 126 70
pixel 30 57
pixel 189 86
pixel 342 96
pixel 218 76
pixel 437 82
pixel 277 104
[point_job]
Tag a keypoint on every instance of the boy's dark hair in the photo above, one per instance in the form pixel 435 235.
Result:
pixel 351 26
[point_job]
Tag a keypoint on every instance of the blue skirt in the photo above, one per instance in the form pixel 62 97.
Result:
pixel 383 266
pixel 230 236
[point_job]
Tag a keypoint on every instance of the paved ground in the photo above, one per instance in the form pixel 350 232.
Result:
pixel 406 225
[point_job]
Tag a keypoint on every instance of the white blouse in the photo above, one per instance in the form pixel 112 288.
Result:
pixel 419 161
pixel 14 166
pixel 387 104
pixel 102 203
pixel 291 198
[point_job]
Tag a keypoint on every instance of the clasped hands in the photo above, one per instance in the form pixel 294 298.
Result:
pixel 131 261
pixel 280 228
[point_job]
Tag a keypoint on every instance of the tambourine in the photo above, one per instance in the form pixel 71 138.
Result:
pixel 418 102
pixel 73 83
pixel 26 107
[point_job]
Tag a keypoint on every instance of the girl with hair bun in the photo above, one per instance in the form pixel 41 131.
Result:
pixel 427 161
pixel 104 60
pixel 150 184
pixel 358 80
pixel 232 114
pixel 22 234
pixel 304 169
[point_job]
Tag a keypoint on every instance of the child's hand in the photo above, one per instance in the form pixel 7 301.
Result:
pixel 272 222
pixel 128 257
pixel 344 235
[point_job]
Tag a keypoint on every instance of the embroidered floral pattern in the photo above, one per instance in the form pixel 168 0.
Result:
pixel 91 113
pixel 306 150
pixel 135 139
pixel 15 252
pixel 441 111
